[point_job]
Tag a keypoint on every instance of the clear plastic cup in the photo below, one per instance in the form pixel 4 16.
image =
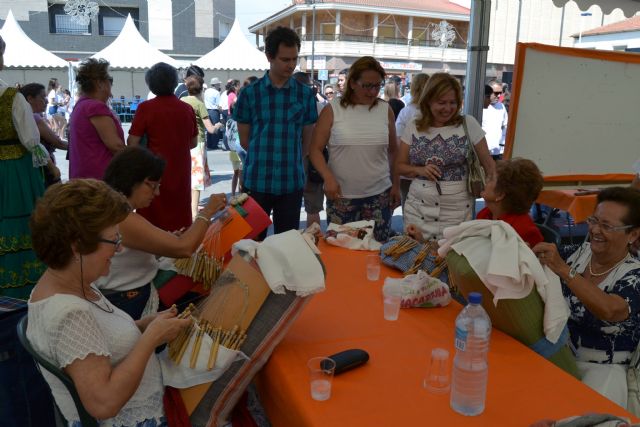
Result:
pixel 438 378
pixel 321 371
pixel 392 298
pixel 373 268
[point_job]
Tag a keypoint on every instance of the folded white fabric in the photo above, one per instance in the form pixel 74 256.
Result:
pixel 182 376
pixel 508 267
pixel 345 236
pixel 286 261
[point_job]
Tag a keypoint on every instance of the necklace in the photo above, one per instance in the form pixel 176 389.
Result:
pixel 607 271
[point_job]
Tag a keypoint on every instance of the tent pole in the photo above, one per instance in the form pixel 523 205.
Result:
pixel 478 45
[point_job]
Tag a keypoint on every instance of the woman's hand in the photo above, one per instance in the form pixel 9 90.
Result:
pixel 431 172
pixel 414 232
pixel 332 188
pixel 216 203
pixel 548 255
pixel 395 199
pixel 165 326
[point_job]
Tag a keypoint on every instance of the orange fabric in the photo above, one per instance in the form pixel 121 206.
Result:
pixel 580 207
pixel 608 177
pixel 387 391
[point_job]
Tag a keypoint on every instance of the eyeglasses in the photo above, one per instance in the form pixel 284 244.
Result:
pixel 497 93
pixel 154 185
pixel 608 228
pixel 115 243
pixel 370 86
pixel 329 93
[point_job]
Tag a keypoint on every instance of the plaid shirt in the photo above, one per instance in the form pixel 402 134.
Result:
pixel 277 117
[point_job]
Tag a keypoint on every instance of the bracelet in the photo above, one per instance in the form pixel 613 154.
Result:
pixel 204 218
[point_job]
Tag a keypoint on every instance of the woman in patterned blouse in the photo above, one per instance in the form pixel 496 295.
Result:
pixel 601 283
pixel 433 150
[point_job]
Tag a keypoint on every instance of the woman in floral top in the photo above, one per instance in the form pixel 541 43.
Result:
pixel 433 150
pixel 601 283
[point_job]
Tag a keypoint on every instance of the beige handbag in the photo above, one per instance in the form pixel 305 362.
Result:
pixel 476 177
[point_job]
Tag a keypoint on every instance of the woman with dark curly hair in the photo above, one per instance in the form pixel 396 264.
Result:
pixel 110 358
pixel 171 131
pixel 509 195
pixel 96 134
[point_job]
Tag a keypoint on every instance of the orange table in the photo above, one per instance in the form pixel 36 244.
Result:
pixel 387 391
pixel 580 207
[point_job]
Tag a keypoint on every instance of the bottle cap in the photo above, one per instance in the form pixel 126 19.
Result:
pixel 475 298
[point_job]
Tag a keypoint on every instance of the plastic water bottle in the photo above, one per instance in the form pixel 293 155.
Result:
pixel 470 369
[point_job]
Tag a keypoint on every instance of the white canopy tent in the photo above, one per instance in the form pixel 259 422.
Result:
pixel 479 43
pixel 23 52
pixel 131 50
pixel 234 53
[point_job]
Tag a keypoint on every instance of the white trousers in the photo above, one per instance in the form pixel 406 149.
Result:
pixel 610 380
pixel 432 212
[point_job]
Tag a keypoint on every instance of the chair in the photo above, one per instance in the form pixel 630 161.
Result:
pixel 85 419
pixel 549 234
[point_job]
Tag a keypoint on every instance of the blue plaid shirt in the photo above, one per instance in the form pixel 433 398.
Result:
pixel 277 117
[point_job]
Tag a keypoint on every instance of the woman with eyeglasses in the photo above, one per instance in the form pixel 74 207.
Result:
pixel 95 134
pixel 136 172
pixel 433 150
pixel 110 358
pixel 601 284
pixel 359 131
pixel 329 93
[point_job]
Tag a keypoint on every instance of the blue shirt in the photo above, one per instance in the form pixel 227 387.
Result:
pixel 277 117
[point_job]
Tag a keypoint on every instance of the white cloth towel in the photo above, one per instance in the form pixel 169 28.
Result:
pixel 508 267
pixel 286 261
pixel 346 240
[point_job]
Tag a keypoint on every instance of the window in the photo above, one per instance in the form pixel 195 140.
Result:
pixel 61 23
pixel 111 25
pixel 111 19
pixel 420 35
pixel 65 24
pixel 620 48
pixel 386 31
pixel 224 30
pixel 329 29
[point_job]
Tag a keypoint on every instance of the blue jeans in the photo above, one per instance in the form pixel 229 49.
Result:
pixel 285 208
pixel 131 302
pixel 25 398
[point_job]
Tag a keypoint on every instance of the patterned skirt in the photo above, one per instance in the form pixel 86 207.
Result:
pixel 20 186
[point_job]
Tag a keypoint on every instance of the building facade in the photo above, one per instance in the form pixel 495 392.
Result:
pixel 184 29
pixel 400 33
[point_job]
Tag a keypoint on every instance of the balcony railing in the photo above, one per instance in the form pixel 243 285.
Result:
pixel 379 40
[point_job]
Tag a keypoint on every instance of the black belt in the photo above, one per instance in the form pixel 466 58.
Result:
pixel 129 294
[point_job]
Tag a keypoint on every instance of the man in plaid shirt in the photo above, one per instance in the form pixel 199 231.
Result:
pixel 274 114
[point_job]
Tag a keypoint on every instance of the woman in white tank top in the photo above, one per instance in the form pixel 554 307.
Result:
pixel 359 131
pixel 136 172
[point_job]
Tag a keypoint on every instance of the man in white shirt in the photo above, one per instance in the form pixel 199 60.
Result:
pixel 212 102
pixel 494 122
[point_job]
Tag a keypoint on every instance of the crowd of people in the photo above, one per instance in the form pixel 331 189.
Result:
pixel 84 253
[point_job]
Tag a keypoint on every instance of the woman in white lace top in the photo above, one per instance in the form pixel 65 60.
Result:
pixel 109 357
